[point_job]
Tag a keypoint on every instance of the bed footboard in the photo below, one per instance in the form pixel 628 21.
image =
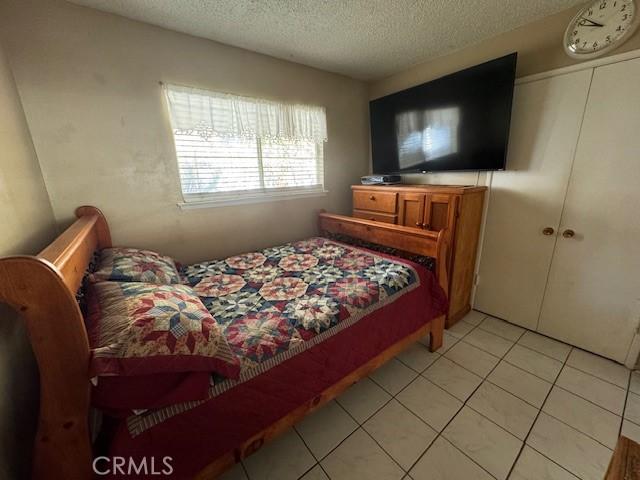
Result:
pixel 411 240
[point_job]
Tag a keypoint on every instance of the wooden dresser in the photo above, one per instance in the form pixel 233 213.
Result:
pixel 433 207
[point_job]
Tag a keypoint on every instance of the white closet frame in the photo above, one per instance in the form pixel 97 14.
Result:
pixel 634 351
pixel 621 57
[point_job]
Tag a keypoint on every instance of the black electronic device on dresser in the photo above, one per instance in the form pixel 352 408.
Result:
pixel 380 179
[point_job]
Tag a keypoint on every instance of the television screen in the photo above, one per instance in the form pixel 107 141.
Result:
pixel 457 122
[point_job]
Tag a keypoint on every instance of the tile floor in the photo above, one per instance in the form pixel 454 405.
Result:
pixel 495 402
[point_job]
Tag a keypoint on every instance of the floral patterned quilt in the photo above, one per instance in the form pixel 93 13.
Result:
pixel 271 301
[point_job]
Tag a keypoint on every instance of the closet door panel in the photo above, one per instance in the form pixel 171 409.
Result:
pixel 528 197
pixel 593 292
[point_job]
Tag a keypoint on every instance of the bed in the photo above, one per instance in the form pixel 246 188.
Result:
pixel 318 363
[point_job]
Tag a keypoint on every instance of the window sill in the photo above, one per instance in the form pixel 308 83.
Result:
pixel 248 199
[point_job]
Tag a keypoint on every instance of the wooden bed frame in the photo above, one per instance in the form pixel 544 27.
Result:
pixel 42 289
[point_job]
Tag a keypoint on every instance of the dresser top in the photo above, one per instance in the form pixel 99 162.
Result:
pixel 406 187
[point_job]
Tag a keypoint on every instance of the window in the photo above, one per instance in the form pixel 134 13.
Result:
pixel 232 148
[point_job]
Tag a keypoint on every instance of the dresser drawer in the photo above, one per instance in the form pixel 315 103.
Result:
pixel 375 200
pixel 378 217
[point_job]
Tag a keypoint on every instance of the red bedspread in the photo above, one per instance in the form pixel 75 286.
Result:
pixel 196 437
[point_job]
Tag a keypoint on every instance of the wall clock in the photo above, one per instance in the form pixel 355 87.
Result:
pixel 600 27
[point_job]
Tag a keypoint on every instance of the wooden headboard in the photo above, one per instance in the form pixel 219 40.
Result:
pixel 42 289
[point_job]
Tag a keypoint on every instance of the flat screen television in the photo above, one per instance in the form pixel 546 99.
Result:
pixel 457 122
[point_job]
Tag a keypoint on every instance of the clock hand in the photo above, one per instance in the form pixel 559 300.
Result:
pixel 583 23
pixel 591 23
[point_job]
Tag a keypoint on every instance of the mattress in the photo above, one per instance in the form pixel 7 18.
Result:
pixel 300 317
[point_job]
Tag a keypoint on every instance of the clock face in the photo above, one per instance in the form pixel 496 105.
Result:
pixel 600 27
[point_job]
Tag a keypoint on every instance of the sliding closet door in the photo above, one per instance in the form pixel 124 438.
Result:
pixel 593 293
pixel 527 197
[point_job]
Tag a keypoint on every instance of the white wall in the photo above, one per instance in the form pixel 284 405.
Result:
pixel 25 211
pixel 89 84
pixel 26 225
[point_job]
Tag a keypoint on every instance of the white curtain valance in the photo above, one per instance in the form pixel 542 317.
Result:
pixel 209 113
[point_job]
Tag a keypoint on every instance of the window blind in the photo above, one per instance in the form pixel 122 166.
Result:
pixel 230 164
pixel 228 146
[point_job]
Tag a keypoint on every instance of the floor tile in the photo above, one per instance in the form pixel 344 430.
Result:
pixel 524 385
pixel 631 430
pixel 632 409
pixel 363 399
pixel 325 429
pixel 634 384
pixel 501 328
pixel 316 473
pixel 488 342
pixel 393 376
pixel 430 402
pixel 448 341
pixel 456 380
pixel 234 473
pixel 533 362
pixel 284 458
pixel 508 411
pixel 602 368
pixel 417 357
pixel 400 433
pixel 569 448
pixel 360 457
pixel 590 419
pixel 443 461
pixel 593 389
pixel 533 466
pixel 460 329
pixel 474 317
pixel 472 358
pixel 545 345
pixel 492 447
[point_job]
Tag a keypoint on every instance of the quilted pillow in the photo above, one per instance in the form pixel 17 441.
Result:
pixel 139 329
pixel 134 265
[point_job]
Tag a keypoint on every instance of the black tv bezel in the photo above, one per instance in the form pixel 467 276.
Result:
pixel 420 171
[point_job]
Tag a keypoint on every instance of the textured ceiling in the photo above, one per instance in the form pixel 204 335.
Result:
pixel 365 39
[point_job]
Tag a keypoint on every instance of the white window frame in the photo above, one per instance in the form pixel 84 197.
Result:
pixel 255 195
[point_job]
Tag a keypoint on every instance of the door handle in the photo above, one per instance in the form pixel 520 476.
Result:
pixel 548 231
pixel 568 233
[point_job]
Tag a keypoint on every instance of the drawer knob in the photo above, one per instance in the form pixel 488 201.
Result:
pixel 548 231
pixel 372 197
pixel 418 224
pixel 568 233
